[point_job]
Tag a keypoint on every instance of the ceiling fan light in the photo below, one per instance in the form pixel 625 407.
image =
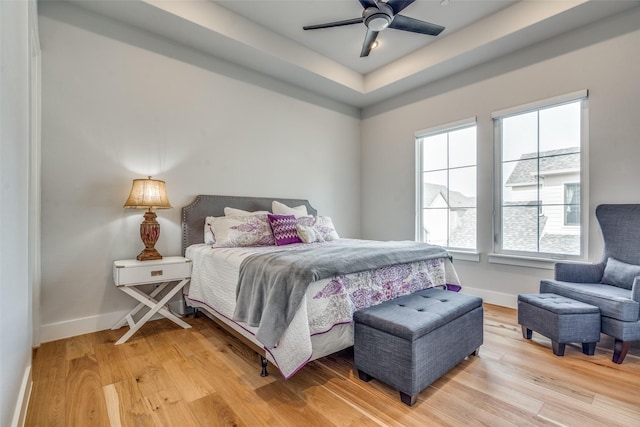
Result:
pixel 378 22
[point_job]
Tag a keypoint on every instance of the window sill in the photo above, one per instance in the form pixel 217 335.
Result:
pixel 523 261
pixel 465 256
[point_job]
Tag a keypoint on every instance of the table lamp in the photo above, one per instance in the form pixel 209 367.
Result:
pixel 148 194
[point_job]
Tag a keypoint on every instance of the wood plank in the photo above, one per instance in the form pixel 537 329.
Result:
pixel 577 416
pixel 132 408
pixel 169 409
pixel 47 403
pixel 114 360
pixel 518 399
pixel 246 403
pixel 213 410
pixel 84 400
pixel 50 361
pixel 113 405
pixel 188 380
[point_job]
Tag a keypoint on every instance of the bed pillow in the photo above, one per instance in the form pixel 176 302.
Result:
pixel 284 229
pixel 308 234
pixel 620 274
pixel 209 235
pixel 242 230
pixel 282 209
pixel 322 224
pixel 239 212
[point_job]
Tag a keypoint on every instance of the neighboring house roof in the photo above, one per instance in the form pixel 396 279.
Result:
pixel 522 232
pixel 526 171
pixel 456 199
pixel 464 234
pixel 560 243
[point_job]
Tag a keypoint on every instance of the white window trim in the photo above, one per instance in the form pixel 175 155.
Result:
pixel 529 259
pixel 448 127
pixel 458 124
pixel 531 262
pixel 522 261
pixel 543 103
pixel 459 255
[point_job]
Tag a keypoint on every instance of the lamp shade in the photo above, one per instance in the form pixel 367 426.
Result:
pixel 148 193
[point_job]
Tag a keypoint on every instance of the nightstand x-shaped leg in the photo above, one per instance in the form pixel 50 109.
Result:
pixel 154 306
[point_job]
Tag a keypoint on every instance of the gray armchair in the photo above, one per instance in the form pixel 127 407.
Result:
pixel 613 284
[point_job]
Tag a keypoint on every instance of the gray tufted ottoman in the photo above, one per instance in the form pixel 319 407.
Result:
pixel 411 341
pixel 561 319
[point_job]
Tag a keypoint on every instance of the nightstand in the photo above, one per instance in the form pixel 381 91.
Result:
pixel 129 274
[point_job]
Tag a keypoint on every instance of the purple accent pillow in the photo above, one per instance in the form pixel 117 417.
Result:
pixel 453 288
pixel 284 229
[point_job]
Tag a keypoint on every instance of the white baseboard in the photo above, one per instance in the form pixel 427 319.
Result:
pixel 87 325
pixel 491 297
pixel 84 325
pixel 20 412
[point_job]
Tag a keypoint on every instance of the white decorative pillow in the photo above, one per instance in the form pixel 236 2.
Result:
pixel 282 209
pixel 239 212
pixel 308 234
pixel 322 224
pixel 247 230
pixel 325 226
pixel 209 236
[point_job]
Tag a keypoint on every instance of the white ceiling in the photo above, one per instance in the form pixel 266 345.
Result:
pixel 267 36
pixel 343 44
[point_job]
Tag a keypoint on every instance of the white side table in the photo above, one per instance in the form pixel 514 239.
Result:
pixel 130 273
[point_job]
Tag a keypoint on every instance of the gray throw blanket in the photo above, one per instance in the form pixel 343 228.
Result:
pixel 271 286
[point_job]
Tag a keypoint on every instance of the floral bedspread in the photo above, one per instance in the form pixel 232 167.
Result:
pixel 336 302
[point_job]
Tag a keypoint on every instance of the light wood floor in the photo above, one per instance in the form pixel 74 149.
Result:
pixel 168 376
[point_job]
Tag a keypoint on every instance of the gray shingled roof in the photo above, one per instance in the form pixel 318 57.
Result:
pixel 520 228
pixel 464 235
pixel 456 199
pixel 526 171
pixel 520 233
pixel 560 244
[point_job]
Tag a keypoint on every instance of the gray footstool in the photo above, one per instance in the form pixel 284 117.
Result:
pixel 561 319
pixel 411 341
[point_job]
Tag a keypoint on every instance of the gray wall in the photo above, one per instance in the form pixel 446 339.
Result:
pixel 602 58
pixel 120 104
pixel 15 288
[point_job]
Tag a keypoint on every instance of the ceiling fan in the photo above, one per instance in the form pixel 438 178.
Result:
pixel 378 15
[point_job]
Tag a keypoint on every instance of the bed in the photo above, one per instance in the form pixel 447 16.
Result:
pixel 319 320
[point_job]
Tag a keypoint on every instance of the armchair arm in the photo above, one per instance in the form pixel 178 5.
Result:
pixel 635 290
pixel 579 273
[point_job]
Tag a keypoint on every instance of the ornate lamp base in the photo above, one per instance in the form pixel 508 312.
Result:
pixel 148 255
pixel 149 233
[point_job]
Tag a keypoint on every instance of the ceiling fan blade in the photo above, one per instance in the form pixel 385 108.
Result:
pixel 398 5
pixel 367 3
pixel 334 24
pixel 405 23
pixel 368 42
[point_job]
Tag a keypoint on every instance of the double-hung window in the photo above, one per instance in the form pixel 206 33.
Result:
pixel 539 185
pixel 446 186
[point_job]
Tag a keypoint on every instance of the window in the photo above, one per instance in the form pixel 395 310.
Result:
pixel 446 199
pixel 538 150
